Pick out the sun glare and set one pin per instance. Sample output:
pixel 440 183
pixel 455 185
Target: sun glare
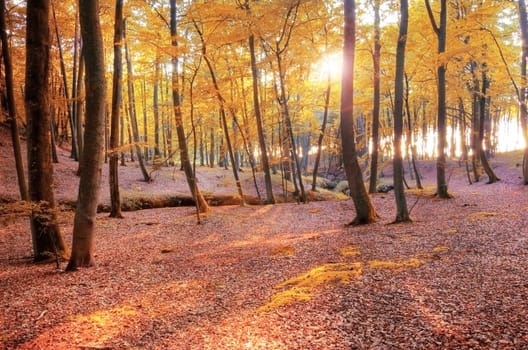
pixel 329 64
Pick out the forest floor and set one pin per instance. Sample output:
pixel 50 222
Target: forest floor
pixel 285 276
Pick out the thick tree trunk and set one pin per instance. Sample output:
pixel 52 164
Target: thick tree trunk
pixel 365 212
pixel 402 213
pixel 117 90
pixel 22 186
pixel 92 158
pixel 47 238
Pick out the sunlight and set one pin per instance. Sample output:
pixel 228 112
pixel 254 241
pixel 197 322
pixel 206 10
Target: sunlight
pixel 330 63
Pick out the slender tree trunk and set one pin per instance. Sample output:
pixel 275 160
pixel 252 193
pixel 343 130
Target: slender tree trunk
pixel 412 145
pixel 117 90
pixel 365 212
pixel 92 158
pixel 75 153
pixel 132 110
pixel 441 162
pixel 402 213
pixel 22 186
pixel 322 132
pixel 201 204
pixel 46 236
pixel 155 107
pixel 492 177
pixel 79 117
pixel 270 199
pixel 373 180
pixel 223 118
pixel 289 130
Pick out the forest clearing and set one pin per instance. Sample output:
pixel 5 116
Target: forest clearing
pixel 284 276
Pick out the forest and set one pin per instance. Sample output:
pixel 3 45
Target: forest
pixel 263 174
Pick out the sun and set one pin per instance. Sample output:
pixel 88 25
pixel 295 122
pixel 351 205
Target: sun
pixel 330 63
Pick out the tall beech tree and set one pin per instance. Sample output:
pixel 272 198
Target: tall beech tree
pixel 402 213
pixel 84 224
pixel 47 238
pixel 440 29
pixel 376 96
pixel 11 108
pixel 365 211
pixel 200 201
pixel 117 98
pixel 523 23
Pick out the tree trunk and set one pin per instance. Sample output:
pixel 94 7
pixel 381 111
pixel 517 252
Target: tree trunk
pixel 402 213
pixel 376 100
pixel 155 108
pixel 79 110
pixel 411 144
pixel 365 212
pixel 47 238
pixel 75 153
pixel 201 204
pixel 132 110
pixel 270 199
pixel 117 90
pixel 441 163
pixel 85 215
pixel 492 177
pixel 22 186
pixel 523 22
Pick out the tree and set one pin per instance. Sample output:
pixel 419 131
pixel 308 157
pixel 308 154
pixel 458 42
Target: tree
pixel 270 199
pixel 8 70
pixel 440 30
pixel 402 213
pixel 523 23
pixel 365 211
pixel 92 157
pixel 376 56
pixel 117 97
pixel 201 204
pixel 47 238
pixel 132 108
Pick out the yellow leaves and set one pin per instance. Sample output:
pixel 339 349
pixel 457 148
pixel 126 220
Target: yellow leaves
pixel 302 287
pixel 396 265
pixel 350 251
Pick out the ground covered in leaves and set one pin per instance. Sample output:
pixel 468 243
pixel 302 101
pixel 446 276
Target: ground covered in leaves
pixel 286 276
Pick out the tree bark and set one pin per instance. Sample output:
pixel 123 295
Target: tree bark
pixel 132 110
pixel 365 211
pixel 523 23
pixel 92 158
pixel 376 56
pixel 117 97
pixel 11 108
pixel 201 204
pixel 47 238
pixel 270 199
pixel 402 213
pixel 441 162
pixel 492 177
